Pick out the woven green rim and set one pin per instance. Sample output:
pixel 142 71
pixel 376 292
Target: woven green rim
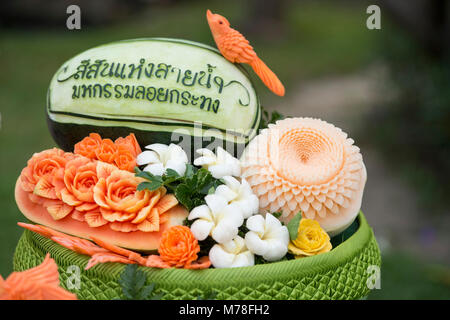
pixel 338 274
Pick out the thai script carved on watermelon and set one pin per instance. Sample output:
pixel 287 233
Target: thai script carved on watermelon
pixel 102 68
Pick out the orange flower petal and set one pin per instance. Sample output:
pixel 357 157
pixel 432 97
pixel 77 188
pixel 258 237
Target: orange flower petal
pixel 178 247
pixel 151 223
pixel 106 152
pixel 124 159
pixel 113 216
pixel 77 215
pixel 36 199
pixel 166 203
pixel 104 169
pixel 94 219
pixel 130 143
pixel 44 188
pixel 88 145
pixel 69 198
pixel 59 211
pixel 87 206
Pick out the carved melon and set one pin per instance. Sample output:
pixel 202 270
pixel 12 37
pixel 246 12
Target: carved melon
pixel 163 90
pixel 136 240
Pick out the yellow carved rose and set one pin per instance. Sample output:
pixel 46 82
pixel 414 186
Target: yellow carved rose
pixel 311 240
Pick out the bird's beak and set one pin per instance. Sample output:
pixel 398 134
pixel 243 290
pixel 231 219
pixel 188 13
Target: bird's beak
pixel 209 14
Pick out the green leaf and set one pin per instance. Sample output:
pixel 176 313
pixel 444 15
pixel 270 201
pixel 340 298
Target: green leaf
pixel 143 174
pixel 132 280
pixel 146 292
pixel 293 226
pixel 170 173
pixel 183 193
pixel 152 185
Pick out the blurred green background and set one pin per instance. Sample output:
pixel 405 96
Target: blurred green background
pixel 389 89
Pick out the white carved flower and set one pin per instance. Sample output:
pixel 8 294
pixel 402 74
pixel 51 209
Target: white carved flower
pixel 220 164
pixel 267 237
pixel 239 193
pixel 161 157
pixel 217 218
pixel 231 254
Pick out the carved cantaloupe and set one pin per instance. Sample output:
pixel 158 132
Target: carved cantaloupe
pixel 308 165
pixel 136 240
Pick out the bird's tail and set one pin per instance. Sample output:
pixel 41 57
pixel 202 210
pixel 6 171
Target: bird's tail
pixel 267 76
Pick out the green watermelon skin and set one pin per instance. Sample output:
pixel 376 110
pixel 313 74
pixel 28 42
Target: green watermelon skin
pixel 342 273
pixel 66 135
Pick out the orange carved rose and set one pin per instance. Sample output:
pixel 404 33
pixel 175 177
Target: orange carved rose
pixel 75 187
pixel 124 159
pixel 37 176
pixel 123 206
pixel 106 152
pixel 178 247
pixel 130 143
pixel 88 146
pixel 122 152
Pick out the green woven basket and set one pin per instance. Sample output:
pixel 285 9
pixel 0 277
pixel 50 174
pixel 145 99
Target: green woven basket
pixel 339 274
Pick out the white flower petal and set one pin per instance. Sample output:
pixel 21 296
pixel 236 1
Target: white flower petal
pixel 245 259
pixel 224 231
pixel 272 223
pixel 202 212
pixel 201 229
pixel 156 169
pixel 219 170
pixel 232 246
pixel 147 157
pixel 255 244
pixel 222 155
pixel 159 148
pixel 206 152
pixel 240 243
pixel 233 183
pixel 225 192
pixel 254 204
pixel 176 152
pixel 233 214
pixel 256 223
pixel 216 203
pixel 220 258
pixel 275 250
pixel 204 161
pixel 177 165
pixel 236 169
pixel 245 206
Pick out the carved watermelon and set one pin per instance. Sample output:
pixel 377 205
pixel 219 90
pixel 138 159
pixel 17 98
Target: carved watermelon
pixel 137 240
pixel 163 90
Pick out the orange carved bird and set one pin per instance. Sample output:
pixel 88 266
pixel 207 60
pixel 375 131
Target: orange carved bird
pixel 235 48
pixel 38 283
